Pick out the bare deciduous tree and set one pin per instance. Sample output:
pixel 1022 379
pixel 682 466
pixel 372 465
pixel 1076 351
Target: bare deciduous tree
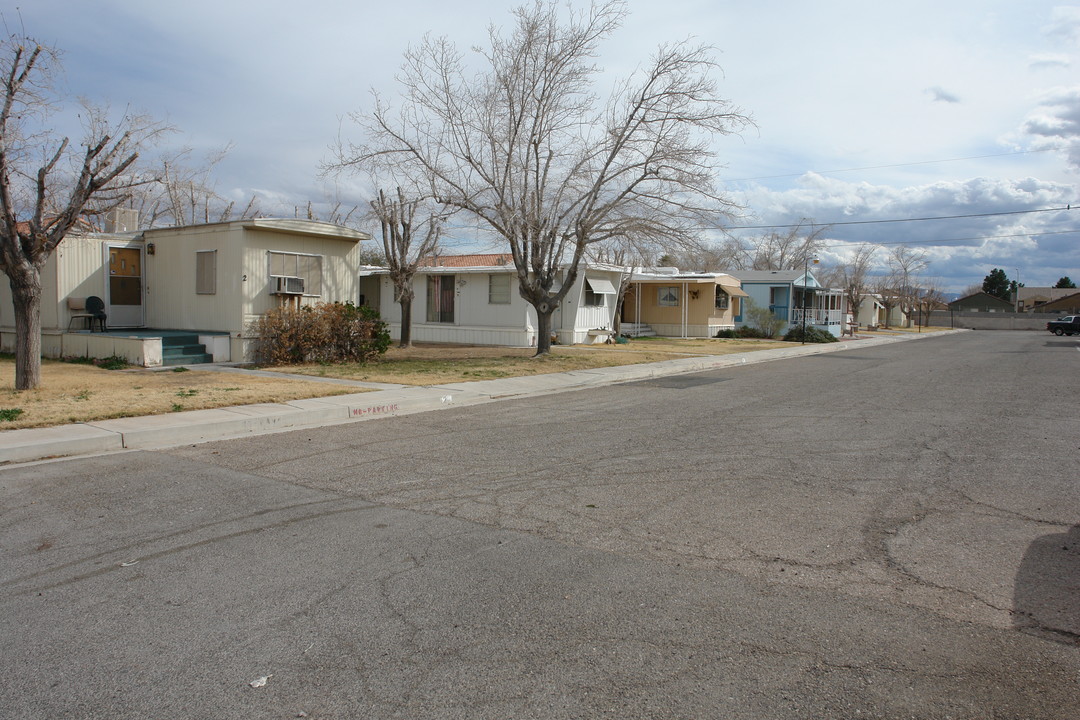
pixel 176 192
pixel 898 287
pixel 887 295
pixel 47 186
pixel 905 268
pixel 851 275
pixel 521 144
pixel 400 228
pixel 931 297
pixel 786 250
pixel 730 254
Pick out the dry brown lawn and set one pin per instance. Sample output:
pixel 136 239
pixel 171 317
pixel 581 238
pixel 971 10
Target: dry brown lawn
pixel 72 392
pixel 440 364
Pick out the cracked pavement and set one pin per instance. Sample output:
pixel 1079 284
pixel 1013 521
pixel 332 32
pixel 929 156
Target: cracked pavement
pixel 881 532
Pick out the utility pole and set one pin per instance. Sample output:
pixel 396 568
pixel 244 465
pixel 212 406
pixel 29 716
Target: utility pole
pixel 805 295
pixel 1016 298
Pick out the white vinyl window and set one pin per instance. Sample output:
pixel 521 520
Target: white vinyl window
pixel 499 289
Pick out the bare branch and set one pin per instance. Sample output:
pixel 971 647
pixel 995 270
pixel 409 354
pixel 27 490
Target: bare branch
pixel 47 186
pixel 526 148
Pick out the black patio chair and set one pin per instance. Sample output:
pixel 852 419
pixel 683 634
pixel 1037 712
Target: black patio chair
pixel 95 308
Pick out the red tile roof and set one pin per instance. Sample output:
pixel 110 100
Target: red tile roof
pixel 488 260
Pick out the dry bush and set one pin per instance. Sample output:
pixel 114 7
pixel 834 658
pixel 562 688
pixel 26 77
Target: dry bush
pixel 321 333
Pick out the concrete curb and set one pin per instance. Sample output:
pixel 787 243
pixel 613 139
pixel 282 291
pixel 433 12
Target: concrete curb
pixel 197 426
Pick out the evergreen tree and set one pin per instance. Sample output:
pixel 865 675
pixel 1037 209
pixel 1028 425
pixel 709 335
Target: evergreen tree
pixel 1065 282
pixel 997 284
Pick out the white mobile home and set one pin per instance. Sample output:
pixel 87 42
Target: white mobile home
pixel 474 300
pixel 206 280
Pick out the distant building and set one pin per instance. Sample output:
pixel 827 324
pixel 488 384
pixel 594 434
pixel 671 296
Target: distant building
pixel 981 302
pixel 1070 304
pixel 1032 298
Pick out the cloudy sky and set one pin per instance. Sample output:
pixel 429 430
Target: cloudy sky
pixel 864 111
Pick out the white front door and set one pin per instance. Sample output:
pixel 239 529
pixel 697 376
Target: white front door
pixel 124 289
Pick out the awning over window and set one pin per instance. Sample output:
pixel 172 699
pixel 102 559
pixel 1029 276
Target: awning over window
pixel 600 286
pixel 733 289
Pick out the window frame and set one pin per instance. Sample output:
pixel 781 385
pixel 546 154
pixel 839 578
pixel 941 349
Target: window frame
pixel 673 301
pixel 722 295
pixel 498 292
pixel 440 287
pixel 313 276
pixel 206 277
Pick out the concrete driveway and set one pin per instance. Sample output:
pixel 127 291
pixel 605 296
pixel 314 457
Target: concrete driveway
pixel 880 533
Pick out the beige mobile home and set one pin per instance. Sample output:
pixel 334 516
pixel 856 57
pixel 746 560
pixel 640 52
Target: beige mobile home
pixel 673 304
pixel 201 281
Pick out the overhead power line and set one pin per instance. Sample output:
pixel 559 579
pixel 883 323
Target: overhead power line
pixel 950 240
pixel 898 220
pixel 894 165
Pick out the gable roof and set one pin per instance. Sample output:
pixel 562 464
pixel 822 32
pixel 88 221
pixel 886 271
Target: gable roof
pixel 981 298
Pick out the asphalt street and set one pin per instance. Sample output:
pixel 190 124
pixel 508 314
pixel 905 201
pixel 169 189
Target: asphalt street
pixel 882 532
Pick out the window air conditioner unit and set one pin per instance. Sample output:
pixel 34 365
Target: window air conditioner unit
pixel 288 286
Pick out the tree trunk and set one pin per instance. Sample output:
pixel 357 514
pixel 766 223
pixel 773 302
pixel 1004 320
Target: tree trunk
pixel 620 299
pixel 406 322
pixel 26 296
pixel 543 330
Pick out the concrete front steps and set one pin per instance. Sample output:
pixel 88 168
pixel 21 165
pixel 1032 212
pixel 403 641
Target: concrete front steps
pixel 183 350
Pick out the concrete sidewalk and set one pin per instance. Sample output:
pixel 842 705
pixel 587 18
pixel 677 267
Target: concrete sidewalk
pixel 196 426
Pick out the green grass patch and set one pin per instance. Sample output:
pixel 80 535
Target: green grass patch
pixel 9 414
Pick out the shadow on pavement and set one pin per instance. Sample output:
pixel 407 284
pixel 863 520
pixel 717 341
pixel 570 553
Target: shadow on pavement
pixel 1046 596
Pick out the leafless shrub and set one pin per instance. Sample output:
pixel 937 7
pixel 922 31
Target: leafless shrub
pixel 321 333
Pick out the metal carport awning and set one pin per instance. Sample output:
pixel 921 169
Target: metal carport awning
pixel 733 289
pixel 601 286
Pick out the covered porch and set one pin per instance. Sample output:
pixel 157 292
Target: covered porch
pixel 821 307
